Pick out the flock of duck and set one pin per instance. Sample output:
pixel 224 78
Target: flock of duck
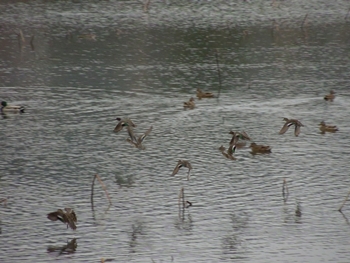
pixel 68 216
pixel 243 136
pixel 238 138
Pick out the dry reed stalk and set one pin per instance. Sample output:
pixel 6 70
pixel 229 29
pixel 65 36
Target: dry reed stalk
pixel 182 202
pixel 275 27
pixel 146 5
pixel 346 17
pixel 31 43
pixel 346 198
pixel 218 69
pixel 21 37
pixel 285 191
pixel 92 190
pixel 304 21
pixel 21 40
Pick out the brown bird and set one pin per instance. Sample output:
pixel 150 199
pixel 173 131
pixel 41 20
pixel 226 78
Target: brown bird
pixel 327 128
pixel 122 123
pixel 68 217
pixel 256 148
pixel 189 104
pixel 330 96
pixel 290 122
pixel 238 135
pixel 137 142
pixel 229 153
pixel 182 163
pixel 201 94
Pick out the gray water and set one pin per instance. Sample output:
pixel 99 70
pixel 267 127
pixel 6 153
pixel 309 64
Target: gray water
pixel 144 65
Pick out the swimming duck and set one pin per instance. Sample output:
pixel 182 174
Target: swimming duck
pixel 182 163
pixel 201 94
pixel 330 96
pixel 137 142
pixel 122 123
pixel 229 153
pixel 238 135
pixel 189 104
pixel 68 217
pixel 290 122
pixel 258 148
pixel 327 128
pixel 5 108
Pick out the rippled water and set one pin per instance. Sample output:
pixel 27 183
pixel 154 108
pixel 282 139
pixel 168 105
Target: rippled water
pixel 144 65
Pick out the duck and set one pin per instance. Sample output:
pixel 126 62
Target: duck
pixel 67 217
pixel 330 96
pixel 290 122
pixel 189 104
pixel 238 135
pixel 229 153
pixel 327 128
pixel 137 142
pixel 182 163
pixel 201 94
pixel 122 123
pixel 5 108
pixel 258 148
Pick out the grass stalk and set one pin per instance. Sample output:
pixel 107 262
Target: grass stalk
pixel 304 21
pixel 285 191
pixel 103 187
pixel 218 70
pixel 346 198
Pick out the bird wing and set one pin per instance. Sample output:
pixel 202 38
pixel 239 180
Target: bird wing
pixel 119 126
pixel 54 216
pixel 187 164
pixel 245 136
pixel 297 130
pixel 231 149
pixel 234 139
pixel 131 134
pixel 285 128
pixel 177 168
pixel 130 122
pixel 143 136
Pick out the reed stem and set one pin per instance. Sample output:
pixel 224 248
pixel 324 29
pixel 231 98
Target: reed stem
pixel 346 198
pixel 218 69
pixel 285 191
pixel 346 17
pixel 304 21
pixel 103 187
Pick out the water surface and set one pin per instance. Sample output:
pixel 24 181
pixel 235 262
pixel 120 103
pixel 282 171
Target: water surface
pixel 144 65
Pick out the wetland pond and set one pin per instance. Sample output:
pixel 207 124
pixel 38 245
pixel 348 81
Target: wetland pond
pixel 77 65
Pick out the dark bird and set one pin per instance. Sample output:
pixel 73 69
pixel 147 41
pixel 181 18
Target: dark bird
pixel 229 153
pixel 330 96
pixel 238 135
pixel 137 142
pixel 290 122
pixel 200 94
pixel 182 163
pixel 189 104
pixel 68 217
pixel 327 128
pixel 5 108
pixel 258 148
pixel 122 123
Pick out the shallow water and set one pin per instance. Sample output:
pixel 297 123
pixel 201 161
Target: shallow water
pixel 144 65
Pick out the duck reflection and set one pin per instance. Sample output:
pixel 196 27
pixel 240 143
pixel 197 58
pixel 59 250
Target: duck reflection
pixel 137 230
pixel 69 248
pixel 184 223
pixel 233 242
pixel 124 181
